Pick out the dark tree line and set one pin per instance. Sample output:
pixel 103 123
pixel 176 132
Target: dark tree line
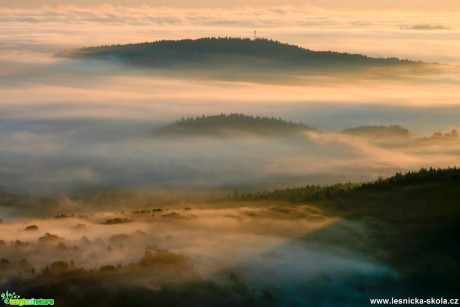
pixel 238 118
pixel 298 194
pixel 424 176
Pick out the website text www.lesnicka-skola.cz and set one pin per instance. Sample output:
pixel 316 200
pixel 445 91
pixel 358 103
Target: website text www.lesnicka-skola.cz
pixel 414 301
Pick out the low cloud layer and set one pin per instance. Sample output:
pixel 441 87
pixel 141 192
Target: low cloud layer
pixel 61 155
pixel 70 123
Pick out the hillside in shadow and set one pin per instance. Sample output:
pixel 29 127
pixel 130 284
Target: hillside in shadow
pixel 393 237
pixel 408 221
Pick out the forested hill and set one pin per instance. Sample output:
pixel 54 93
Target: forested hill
pixel 232 124
pixel 259 53
pixel 393 131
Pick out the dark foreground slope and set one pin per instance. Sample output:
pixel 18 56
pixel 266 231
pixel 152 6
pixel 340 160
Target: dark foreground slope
pixel 408 225
pixel 409 221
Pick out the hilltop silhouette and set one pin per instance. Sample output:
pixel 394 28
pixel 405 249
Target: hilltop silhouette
pixel 232 54
pixel 232 124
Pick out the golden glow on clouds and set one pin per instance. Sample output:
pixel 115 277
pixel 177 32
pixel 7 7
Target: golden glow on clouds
pixel 418 5
pixel 375 33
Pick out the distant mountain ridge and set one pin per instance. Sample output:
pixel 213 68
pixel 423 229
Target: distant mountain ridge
pixel 236 53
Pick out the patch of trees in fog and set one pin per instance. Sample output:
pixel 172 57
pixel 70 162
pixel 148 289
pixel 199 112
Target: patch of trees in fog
pixel 453 135
pixel 234 122
pixel 378 131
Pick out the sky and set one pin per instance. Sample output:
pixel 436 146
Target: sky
pixel 421 5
